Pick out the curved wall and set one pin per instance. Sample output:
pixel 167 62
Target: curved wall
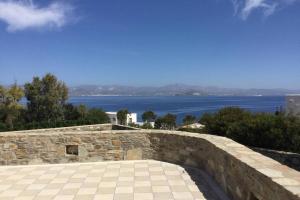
pixel 241 172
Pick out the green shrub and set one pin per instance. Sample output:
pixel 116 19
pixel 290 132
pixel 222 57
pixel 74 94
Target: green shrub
pixel 258 130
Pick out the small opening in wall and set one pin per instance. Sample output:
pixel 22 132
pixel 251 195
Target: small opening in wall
pixel 72 150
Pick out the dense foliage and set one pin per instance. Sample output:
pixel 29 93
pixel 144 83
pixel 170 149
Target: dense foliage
pixel 263 130
pixel 149 116
pixel 189 119
pixel 122 116
pixel 46 99
pixel 46 107
pixel 10 109
pixel 167 122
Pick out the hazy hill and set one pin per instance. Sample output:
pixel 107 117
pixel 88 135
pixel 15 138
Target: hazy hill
pixel 172 90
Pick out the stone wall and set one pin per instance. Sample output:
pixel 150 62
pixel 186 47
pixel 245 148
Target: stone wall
pixel 287 158
pixel 241 172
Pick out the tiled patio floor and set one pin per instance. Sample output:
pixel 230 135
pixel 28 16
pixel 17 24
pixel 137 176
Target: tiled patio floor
pixel 138 180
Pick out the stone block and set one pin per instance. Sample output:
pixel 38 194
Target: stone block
pixel 134 154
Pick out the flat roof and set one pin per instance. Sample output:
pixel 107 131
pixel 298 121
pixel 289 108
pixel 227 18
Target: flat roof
pixel 112 113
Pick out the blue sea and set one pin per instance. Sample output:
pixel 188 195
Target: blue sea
pixel 181 105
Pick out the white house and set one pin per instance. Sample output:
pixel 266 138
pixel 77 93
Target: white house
pixel 131 118
pixel 113 117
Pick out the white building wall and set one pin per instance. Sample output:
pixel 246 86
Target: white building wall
pixel 293 105
pixel 113 117
pixel 131 118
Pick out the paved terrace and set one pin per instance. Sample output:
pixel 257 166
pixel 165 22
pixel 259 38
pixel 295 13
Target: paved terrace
pixel 141 180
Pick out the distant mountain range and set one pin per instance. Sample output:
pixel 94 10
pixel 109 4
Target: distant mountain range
pixel 173 90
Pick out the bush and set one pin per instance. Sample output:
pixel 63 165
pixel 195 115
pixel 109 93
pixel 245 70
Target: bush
pixel 167 122
pixel 97 116
pixel 258 130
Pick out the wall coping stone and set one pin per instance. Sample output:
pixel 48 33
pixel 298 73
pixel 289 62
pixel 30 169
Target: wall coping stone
pixel 67 128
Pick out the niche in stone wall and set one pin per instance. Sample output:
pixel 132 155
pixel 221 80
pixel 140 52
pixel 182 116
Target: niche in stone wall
pixel 72 150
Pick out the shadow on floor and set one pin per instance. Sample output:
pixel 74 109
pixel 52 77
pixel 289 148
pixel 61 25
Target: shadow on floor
pixel 208 187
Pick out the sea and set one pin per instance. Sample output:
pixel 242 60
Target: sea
pixel 181 105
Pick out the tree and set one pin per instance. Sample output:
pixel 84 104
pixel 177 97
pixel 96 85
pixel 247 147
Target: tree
pixel 167 122
pixel 71 112
pixel 218 123
pixel 97 116
pixel 122 116
pixel 10 108
pixel 189 119
pixel 46 99
pixel 148 116
pixel 82 110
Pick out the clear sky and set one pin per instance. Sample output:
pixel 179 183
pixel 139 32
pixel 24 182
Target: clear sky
pixel 226 43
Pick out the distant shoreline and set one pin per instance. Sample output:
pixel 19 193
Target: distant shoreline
pixel 176 95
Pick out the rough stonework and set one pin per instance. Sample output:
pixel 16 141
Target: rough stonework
pixel 242 173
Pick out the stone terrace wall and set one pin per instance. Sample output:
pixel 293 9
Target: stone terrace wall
pixel 241 172
pixel 287 158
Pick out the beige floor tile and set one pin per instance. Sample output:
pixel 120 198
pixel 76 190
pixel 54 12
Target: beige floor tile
pixel 84 197
pixel 163 195
pixel 72 185
pixel 68 192
pixel 159 183
pixel 25 181
pixel 24 198
pixel 59 180
pixel 5 187
pixel 123 197
pixel 36 186
pixel 144 189
pixel 143 196
pixel 124 190
pixel 29 193
pixel 89 185
pixel 94 179
pixel 112 178
pixel 125 183
pixel 49 192
pixel 142 178
pixel 142 183
pixel 176 182
pixel 104 197
pixel 158 189
pixel 64 197
pixel 87 191
pixel 125 178
pixel 10 193
pixel 158 178
pixel 55 186
pixel 179 188
pixel 106 190
pixel 182 195
pixel 107 184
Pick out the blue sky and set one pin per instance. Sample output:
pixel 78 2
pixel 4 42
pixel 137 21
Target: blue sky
pixel 226 43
